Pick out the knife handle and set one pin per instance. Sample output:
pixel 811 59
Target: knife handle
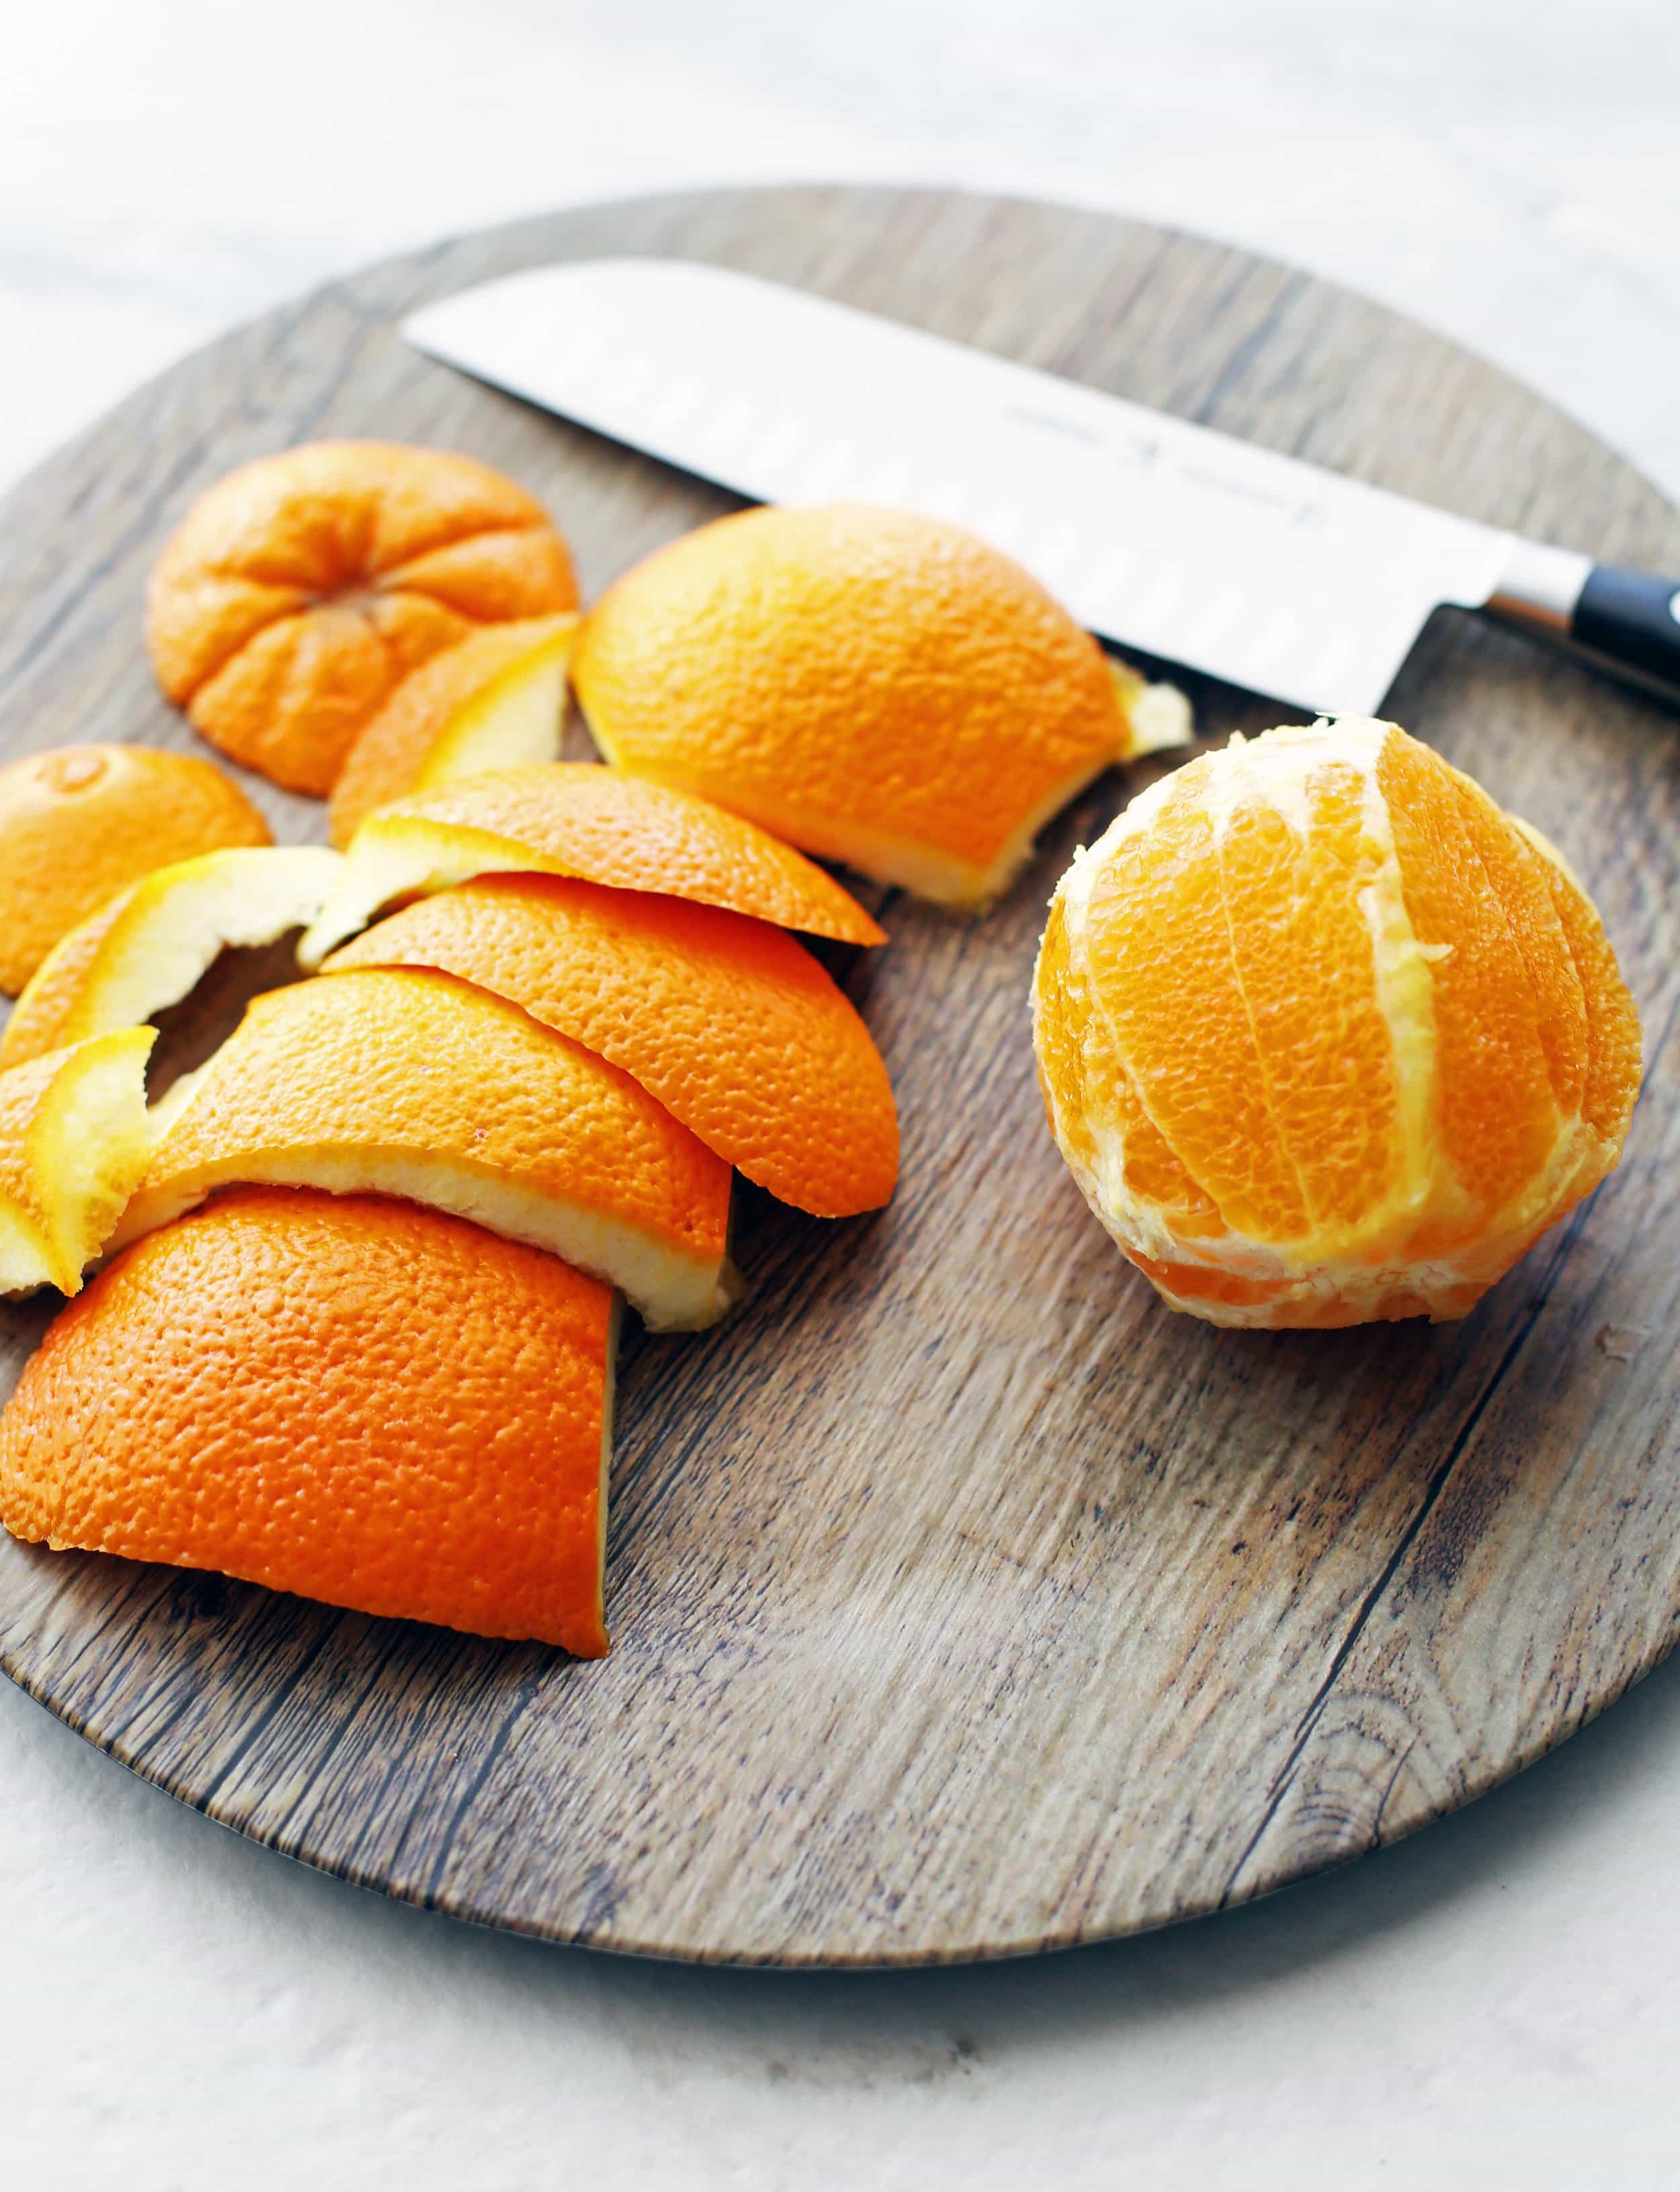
pixel 1625 622
pixel 1630 620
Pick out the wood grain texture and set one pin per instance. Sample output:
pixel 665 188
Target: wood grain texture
pixel 967 1600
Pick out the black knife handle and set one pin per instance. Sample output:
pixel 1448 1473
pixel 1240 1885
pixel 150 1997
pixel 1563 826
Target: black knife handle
pixel 1633 620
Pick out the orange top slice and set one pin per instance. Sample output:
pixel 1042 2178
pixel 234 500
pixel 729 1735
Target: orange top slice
pixel 410 1083
pixel 301 590
pixel 573 818
pixel 78 825
pixel 353 1399
pixel 878 686
pixel 729 1022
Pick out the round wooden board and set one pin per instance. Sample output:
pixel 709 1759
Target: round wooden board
pixel 967 1602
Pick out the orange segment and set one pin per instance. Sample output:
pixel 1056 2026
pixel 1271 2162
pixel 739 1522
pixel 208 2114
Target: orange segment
pixel 1324 1037
pixel 878 686
pixel 413 1084
pixel 495 701
pixel 74 1140
pixel 572 818
pixel 146 948
pixel 301 590
pixel 733 1026
pixel 352 1399
pixel 1498 1120
pixel 78 824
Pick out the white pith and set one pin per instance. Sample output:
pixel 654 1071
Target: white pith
pixel 673 1292
pixel 178 920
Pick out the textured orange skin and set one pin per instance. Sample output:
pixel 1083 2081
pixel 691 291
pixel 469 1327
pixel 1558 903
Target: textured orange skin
pixel 391 753
pixel 1291 1148
pixel 300 590
pixel 574 819
pixel 729 1022
pixel 848 666
pixel 357 1399
pixel 78 824
pixel 405 1061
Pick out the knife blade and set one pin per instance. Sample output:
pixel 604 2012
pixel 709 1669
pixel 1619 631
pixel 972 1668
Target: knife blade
pixel 1157 533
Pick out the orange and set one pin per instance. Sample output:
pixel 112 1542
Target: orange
pixel 148 946
pixel 494 701
pixel 729 1022
pixel 300 590
pixel 366 1403
pixel 573 818
pixel 880 688
pixel 74 1140
pixel 78 824
pixel 1325 1036
pixel 401 1082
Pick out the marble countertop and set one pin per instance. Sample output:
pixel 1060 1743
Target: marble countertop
pixel 1495 2003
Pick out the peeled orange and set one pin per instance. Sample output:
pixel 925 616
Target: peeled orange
pixel 74 1140
pixel 572 818
pixel 1327 1037
pixel 301 590
pixel 350 1398
pixel 729 1022
pixel 146 948
pixel 494 701
pixel 879 688
pixel 401 1082
pixel 78 824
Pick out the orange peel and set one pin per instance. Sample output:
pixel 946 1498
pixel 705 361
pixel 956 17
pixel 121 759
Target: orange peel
pixel 397 1081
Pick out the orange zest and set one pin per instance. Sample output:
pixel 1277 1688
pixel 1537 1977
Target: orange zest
pixel 355 1400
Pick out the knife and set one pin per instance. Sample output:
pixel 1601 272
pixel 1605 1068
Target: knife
pixel 1158 535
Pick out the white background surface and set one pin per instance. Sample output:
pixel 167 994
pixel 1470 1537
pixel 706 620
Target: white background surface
pixel 1496 2003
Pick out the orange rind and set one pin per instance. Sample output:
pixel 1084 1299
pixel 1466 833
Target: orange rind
pixel 300 590
pixel 879 688
pixel 409 1083
pixel 498 700
pixel 148 947
pixel 79 824
pixel 369 1404
pixel 574 819
pixel 729 1022
pixel 74 1141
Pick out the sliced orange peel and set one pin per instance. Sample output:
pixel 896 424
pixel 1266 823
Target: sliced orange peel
pixel 411 1083
pixel 498 700
pixel 152 944
pixel 575 819
pixel 74 1140
pixel 729 1022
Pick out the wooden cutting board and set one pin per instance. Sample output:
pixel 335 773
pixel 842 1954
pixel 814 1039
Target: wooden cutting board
pixel 967 1602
